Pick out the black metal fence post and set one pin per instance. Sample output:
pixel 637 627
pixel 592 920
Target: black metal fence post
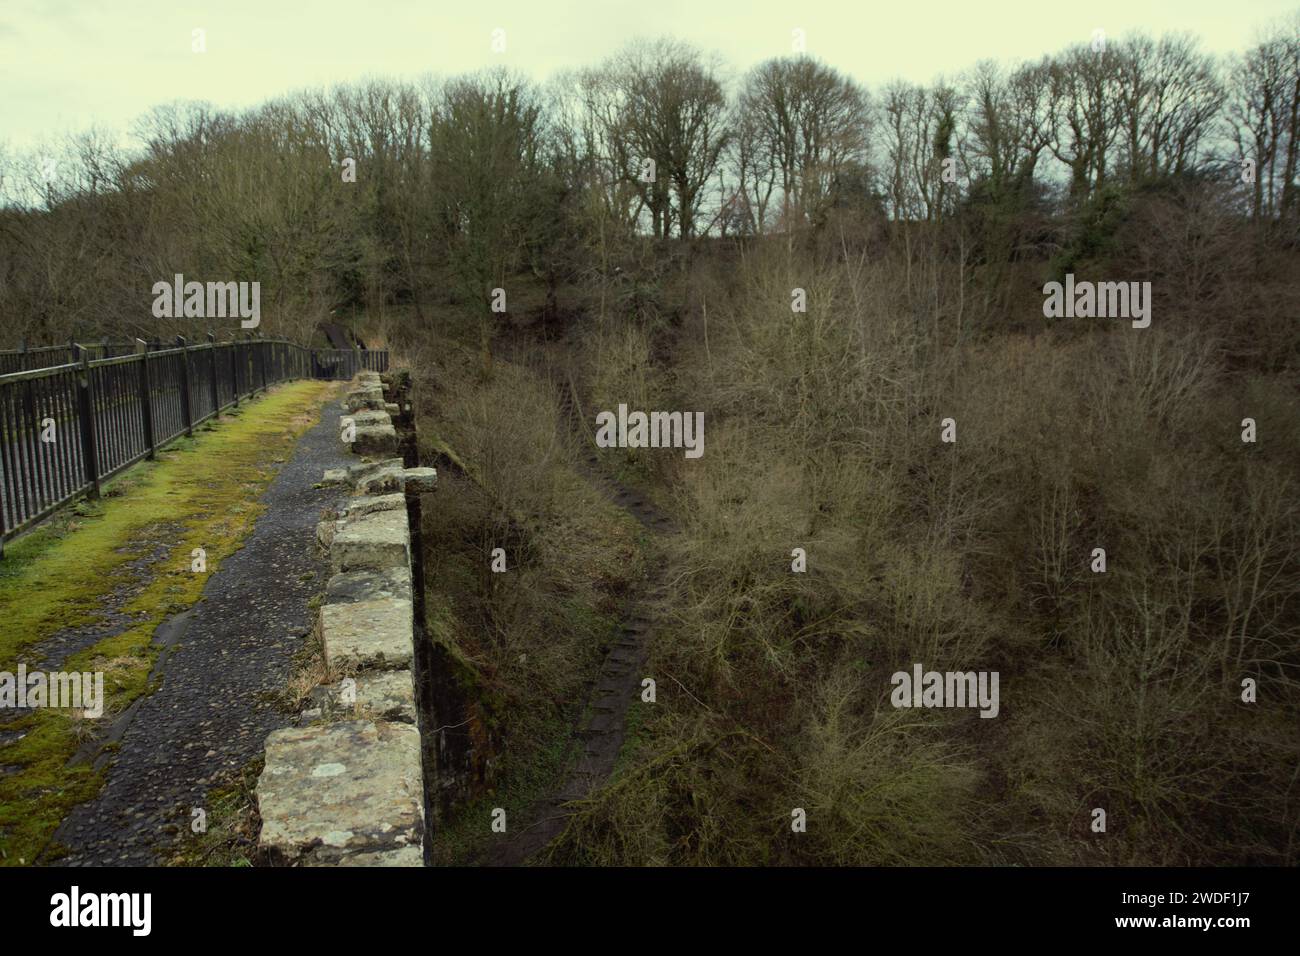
pixel 185 385
pixel 4 483
pixel 146 401
pixel 86 405
pixel 234 370
pixel 212 360
pixel 250 363
pixel 29 409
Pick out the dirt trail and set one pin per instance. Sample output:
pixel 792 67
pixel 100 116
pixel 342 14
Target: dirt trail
pixel 602 728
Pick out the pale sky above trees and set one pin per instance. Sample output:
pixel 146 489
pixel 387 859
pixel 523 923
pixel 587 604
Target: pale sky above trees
pixel 67 65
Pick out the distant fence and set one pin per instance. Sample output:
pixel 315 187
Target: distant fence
pixel 344 364
pixel 45 356
pixel 68 427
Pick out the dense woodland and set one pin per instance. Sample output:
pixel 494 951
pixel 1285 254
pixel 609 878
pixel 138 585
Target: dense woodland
pixel 465 183
pixel 922 220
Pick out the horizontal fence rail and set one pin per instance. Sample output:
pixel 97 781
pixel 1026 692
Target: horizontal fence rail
pixel 47 356
pixel 78 420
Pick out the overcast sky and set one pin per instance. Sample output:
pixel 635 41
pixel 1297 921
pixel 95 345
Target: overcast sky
pixel 66 65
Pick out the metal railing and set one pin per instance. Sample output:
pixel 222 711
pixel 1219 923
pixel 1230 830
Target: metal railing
pixel 46 356
pixel 68 427
pixel 344 364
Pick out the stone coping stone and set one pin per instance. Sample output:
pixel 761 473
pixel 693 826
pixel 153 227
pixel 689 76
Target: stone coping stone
pixel 375 541
pixel 369 416
pixel 380 477
pixel 385 481
pixel 369 504
pixel 329 790
pixel 386 695
pixel 377 634
pixel 420 481
pixel 374 440
pixel 366 397
pixel 369 586
pixel 357 472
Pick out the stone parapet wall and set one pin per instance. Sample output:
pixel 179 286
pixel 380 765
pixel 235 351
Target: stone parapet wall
pixel 346 786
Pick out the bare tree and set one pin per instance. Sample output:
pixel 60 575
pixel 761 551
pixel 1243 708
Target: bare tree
pixel 489 163
pixel 661 102
pixel 1084 113
pixel 1168 98
pixel 1263 115
pixel 920 132
pixel 807 123
pixel 1007 123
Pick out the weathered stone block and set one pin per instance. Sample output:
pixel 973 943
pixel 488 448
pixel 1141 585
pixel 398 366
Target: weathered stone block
pixel 331 790
pixel 358 472
pixel 387 695
pixel 369 417
pixel 368 504
pixel 369 586
pixel 374 440
pixel 420 481
pixel 375 541
pixel 368 633
pixel 364 397
pixel 385 481
pixel 408 856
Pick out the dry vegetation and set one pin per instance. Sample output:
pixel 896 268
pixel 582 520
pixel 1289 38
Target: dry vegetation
pixel 1120 690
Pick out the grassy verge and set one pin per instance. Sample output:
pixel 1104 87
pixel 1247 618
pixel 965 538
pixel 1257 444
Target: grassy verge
pixel 131 551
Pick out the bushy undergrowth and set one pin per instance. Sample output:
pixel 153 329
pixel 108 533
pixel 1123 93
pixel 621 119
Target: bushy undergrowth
pixel 1120 690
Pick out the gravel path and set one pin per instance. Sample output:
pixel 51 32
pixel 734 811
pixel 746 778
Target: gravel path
pixel 232 653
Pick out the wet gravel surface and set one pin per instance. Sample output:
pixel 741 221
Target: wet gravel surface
pixel 232 656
